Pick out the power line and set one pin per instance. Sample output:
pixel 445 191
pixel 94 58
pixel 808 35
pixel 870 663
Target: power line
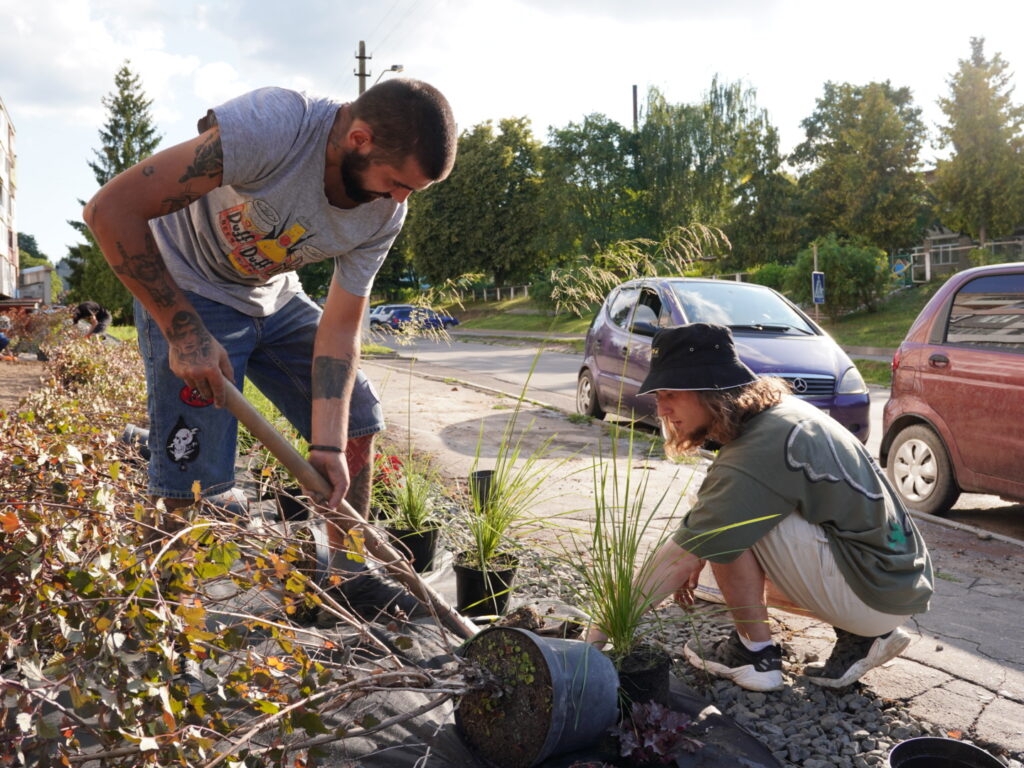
pixel 398 24
pixel 383 19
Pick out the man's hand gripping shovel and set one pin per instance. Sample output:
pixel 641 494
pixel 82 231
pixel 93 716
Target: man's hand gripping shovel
pixel 377 546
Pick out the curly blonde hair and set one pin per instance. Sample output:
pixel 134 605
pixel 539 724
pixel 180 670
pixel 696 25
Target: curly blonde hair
pixel 729 409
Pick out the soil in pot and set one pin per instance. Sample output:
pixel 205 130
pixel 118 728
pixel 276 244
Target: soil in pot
pixel 546 696
pixel 421 546
pixel 483 592
pixel 644 676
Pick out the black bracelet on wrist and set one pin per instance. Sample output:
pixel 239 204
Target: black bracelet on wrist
pixel 328 448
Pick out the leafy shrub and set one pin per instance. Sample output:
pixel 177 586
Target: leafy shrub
pixel 117 645
pixel 771 275
pixel 855 276
pixel 654 734
pixel 979 257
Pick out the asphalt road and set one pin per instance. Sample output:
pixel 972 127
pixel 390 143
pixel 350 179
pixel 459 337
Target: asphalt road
pixel 551 379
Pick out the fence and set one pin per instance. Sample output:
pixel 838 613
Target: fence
pixel 922 264
pixel 497 293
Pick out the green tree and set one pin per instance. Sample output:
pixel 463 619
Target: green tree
pixel 764 221
pixel 980 188
pixel 484 217
pixel 707 163
pixel 127 137
pixel 28 244
pixel 29 255
pixel 856 275
pixel 860 159
pixel 589 192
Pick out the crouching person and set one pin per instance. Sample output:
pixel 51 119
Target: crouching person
pixel 794 513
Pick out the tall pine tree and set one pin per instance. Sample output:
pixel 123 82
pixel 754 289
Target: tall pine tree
pixel 127 137
pixel 981 187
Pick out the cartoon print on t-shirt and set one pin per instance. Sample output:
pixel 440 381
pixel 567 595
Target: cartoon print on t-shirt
pixel 260 244
pixel 182 444
pixel 803 453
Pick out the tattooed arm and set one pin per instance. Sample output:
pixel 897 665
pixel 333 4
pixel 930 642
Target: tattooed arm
pixel 335 361
pixel 119 217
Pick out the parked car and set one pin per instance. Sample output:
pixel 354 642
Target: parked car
pixel 379 314
pixel 955 410
pixel 419 317
pixel 773 337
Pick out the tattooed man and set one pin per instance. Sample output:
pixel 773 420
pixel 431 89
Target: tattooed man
pixel 208 234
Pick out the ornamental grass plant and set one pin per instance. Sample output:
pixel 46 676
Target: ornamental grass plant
pixel 615 558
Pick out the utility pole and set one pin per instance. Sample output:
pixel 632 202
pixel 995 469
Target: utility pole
pixel 635 116
pixel 361 73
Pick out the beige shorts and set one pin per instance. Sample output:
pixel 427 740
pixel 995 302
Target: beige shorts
pixel 796 557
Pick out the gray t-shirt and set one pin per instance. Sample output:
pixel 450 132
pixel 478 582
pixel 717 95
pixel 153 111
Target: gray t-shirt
pixel 792 457
pixel 241 243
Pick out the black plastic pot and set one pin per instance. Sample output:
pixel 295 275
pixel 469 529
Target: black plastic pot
pixel 935 752
pixel 480 486
pixel 290 505
pixel 556 696
pixel 421 546
pixel 644 676
pixel 483 592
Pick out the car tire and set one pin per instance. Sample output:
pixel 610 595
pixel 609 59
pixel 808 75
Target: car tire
pixel 919 470
pixel 586 395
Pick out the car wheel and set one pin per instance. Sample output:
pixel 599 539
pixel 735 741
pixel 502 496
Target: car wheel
pixel 586 396
pixel 920 471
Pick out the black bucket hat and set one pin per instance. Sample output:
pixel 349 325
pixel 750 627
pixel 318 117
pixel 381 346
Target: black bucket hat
pixel 695 356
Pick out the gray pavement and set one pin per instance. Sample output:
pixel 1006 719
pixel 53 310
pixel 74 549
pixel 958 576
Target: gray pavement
pixel 965 668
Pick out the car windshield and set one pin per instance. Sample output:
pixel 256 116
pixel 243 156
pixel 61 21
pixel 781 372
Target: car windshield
pixel 739 306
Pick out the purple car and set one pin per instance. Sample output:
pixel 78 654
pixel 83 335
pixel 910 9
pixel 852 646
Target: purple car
pixel 772 336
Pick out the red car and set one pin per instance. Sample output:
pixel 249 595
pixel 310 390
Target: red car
pixel 955 417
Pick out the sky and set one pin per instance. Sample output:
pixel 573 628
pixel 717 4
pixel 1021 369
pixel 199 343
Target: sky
pixel 554 61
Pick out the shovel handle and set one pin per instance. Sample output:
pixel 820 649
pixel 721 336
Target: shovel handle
pixel 376 544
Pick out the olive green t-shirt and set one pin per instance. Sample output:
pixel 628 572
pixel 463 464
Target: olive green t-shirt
pixel 794 457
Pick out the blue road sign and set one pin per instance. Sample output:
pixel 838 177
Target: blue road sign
pixel 818 287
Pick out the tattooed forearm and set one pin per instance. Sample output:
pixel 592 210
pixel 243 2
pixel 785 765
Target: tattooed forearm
pixel 148 270
pixel 177 202
pixel 189 338
pixel 330 375
pixel 209 160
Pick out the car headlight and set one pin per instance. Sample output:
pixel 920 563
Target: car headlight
pixel 852 383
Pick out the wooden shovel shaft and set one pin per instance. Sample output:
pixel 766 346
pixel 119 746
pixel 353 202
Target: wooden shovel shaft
pixel 376 544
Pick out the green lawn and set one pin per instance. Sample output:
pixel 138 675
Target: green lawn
pixel 884 328
pixel 887 326
pixel 874 371
pixel 498 316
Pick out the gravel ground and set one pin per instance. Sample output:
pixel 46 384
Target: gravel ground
pixel 803 724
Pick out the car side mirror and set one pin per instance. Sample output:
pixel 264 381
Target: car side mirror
pixel 640 328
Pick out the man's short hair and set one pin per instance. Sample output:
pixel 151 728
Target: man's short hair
pixel 410 118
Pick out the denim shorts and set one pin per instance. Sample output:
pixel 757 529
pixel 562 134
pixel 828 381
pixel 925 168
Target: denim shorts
pixel 190 439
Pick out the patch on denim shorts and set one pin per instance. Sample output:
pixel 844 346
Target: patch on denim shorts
pixel 190 396
pixel 183 445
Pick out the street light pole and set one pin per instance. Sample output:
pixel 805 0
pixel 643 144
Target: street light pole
pixel 392 68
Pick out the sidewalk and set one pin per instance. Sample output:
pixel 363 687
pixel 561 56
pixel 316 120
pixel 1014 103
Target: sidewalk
pixel 964 670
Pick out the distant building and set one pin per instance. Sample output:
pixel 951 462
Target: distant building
pixel 35 283
pixel 8 187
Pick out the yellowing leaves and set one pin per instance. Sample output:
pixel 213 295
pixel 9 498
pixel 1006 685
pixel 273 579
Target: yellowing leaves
pixel 355 543
pixel 193 613
pixel 10 522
